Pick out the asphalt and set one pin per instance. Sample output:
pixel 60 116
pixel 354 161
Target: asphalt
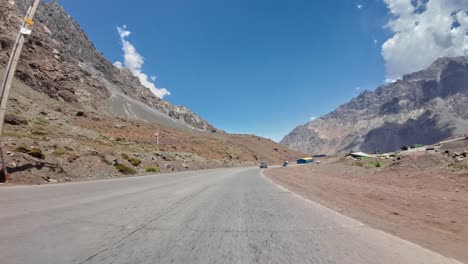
pixel 215 216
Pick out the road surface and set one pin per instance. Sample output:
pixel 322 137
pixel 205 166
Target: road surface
pixel 214 216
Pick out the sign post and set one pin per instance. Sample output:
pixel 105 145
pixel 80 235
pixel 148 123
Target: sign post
pixel 157 140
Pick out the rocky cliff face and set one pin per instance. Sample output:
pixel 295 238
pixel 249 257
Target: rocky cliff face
pixel 424 107
pixel 59 60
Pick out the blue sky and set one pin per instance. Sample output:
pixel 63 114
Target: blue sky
pixel 258 67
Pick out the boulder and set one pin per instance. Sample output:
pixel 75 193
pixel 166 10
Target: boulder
pixel 68 96
pixel 11 165
pixel 80 113
pixel 15 120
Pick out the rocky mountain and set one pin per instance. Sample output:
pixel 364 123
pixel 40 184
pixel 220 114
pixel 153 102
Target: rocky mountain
pixel 73 116
pixel 421 108
pixel 59 60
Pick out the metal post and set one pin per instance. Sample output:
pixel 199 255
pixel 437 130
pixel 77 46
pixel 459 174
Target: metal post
pixel 10 70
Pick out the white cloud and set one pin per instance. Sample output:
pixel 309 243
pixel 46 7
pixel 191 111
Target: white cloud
pixel 134 62
pixel 153 78
pixel 313 118
pixel 359 6
pixel 118 64
pixel 424 31
pixel 123 32
pixel 376 42
pixel 358 88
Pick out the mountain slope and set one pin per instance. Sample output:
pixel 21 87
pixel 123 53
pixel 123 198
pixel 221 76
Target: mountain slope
pixel 63 63
pixel 73 116
pixel 424 107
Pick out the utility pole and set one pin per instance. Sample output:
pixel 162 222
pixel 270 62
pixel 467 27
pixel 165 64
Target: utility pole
pixel 157 139
pixel 9 74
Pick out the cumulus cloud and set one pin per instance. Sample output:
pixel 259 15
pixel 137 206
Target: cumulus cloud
pixel 424 30
pixel 359 6
pixel 312 118
pixel 133 61
pixel 358 88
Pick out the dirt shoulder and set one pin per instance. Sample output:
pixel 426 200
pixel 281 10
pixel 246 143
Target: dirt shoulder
pixel 422 198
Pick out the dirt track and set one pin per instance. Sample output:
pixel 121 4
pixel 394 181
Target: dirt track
pixel 416 198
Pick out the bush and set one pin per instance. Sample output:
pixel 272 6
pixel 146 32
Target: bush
pixel 378 165
pixel 38 132
pixel 60 152
pixel 152 169
pixel 68 148
pixel 36 152
pixel 134 161
pixel 458 166
pixel 124 169
pixel 22 149
pixel 33 151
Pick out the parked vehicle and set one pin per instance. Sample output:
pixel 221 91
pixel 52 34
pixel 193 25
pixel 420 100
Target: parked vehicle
pixel 285 163
pixel 263 165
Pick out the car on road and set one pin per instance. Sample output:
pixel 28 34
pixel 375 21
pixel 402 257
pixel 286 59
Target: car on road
pixel 285 163
pixel 263 165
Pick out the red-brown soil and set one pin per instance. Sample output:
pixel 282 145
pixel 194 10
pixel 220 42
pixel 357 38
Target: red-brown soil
pixel 421 197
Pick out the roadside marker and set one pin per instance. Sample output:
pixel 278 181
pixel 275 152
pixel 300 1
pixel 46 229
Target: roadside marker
pixel 29 21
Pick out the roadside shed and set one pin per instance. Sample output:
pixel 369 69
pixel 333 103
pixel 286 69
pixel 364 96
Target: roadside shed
pixel 305 160
pixel 320 156
pixel 362 155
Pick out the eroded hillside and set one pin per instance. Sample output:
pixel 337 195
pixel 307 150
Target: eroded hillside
pixel 73 116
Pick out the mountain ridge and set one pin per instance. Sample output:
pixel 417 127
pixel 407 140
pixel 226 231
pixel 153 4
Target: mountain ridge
pixel 423 107
pixel 64 63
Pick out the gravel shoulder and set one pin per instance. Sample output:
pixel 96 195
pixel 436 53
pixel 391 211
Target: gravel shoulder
pixel 422 198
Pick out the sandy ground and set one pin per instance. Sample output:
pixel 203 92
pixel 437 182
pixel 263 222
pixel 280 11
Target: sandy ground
pixel 422 197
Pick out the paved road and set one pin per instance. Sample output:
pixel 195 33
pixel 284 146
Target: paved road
pixel 214 216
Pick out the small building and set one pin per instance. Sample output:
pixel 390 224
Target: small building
pixel 320 156
pixel 362 155
pixel 305 160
